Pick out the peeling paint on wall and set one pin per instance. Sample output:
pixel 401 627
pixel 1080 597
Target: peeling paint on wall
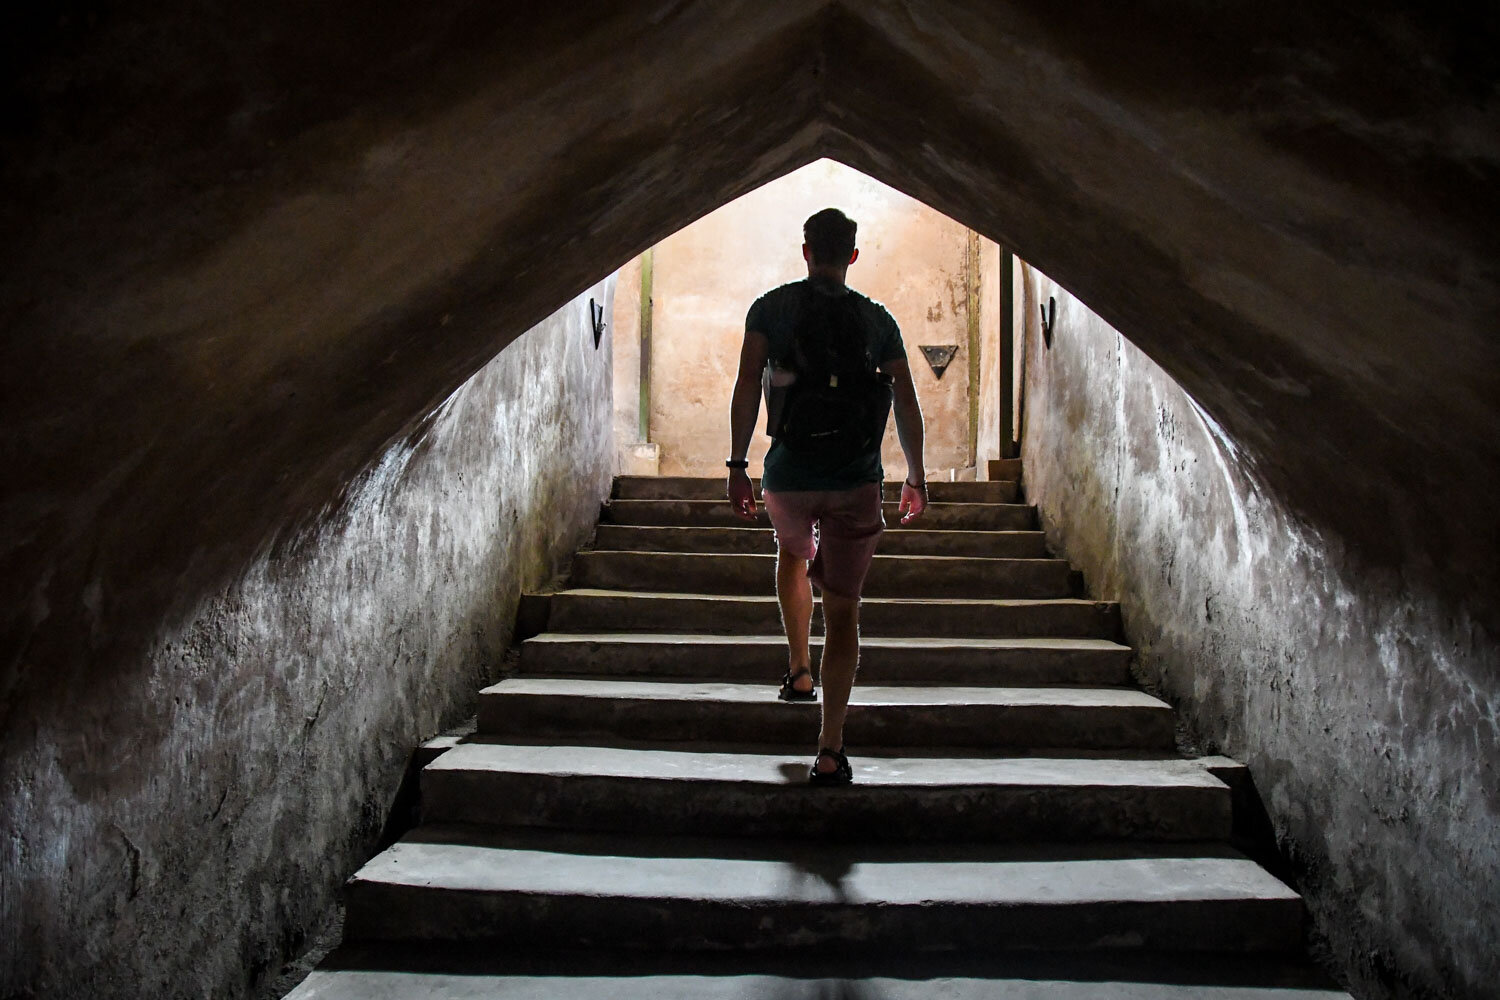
pixel 252 768
pixel 1364 707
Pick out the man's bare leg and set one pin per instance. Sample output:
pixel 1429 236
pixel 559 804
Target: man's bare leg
pixel 840 659
pixel 794 593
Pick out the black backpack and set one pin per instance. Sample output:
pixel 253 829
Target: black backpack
pixel 838 406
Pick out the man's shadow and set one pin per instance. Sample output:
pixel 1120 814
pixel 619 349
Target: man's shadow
pixel 829 989
pixel 831 867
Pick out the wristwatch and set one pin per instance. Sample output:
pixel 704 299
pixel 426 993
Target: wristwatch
pixel 736 463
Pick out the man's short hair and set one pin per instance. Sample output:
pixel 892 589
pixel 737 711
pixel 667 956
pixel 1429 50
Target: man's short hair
pixel 829 234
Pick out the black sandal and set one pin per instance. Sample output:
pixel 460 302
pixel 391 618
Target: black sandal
pixel 841 775
pixel 790 693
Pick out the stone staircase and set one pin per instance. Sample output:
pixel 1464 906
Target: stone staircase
pixel 631 818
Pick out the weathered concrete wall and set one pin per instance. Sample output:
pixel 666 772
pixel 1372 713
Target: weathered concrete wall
pixel 707 274
pixel 1365 707
pixel 174 827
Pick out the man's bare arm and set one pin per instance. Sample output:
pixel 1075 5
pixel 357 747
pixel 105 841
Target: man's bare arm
pixel 744 408
pixel 908 418
pixel 910 433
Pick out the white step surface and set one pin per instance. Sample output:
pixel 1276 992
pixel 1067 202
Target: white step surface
pixel 529 708
pixel 654 892
pixel 770 769
pixel 587 609
pixel 1025 661
pixel 772 873
pixel 870 695
pixel 901 799
pixel 362 984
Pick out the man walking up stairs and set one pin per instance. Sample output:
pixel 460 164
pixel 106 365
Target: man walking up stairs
pixel 632 819
pixel 833 367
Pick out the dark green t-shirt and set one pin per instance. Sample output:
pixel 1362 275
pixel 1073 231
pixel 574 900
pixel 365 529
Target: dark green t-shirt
pixel 774 314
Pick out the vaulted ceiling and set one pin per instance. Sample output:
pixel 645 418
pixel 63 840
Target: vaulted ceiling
pixel 249 247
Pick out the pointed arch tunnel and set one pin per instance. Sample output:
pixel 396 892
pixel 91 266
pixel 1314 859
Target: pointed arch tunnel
pixel 252 250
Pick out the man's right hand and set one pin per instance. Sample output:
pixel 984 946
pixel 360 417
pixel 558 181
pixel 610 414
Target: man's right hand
pixel 913 501
pixel 741 494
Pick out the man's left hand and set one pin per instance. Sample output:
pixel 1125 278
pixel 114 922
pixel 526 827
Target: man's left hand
pixel 741 494
pixel 913 501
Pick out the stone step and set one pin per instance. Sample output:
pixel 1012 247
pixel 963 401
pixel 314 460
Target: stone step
pixel 586 709
pixel 588 610
pixel 716 513
pixel 883 660
pixel 1005 469
pixel 697 488
pixel 902 542
pixel 550 889
pixel 386 971
pixel 890 576
pixel 699 792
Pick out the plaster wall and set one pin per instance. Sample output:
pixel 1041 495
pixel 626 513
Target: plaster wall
pixel 179 834
pixel 625 338
pixel 912 260
pixel 991 300
pixel 1365 707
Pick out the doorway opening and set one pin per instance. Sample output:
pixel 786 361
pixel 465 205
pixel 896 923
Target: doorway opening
pixel 680 307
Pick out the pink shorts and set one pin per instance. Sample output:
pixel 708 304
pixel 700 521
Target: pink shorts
pixel 837 529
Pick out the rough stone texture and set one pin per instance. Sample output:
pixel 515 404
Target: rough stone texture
pixel 535 889
pixel 969 661
pixel 365 984
pixel 678 488
pixel 890 576
pixel 548 708
pixel 1012 544
pixel 215 793
pixel 757 793
pixel 1364 706
pixel 716 513
pixel 602 610
pixel 248 246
